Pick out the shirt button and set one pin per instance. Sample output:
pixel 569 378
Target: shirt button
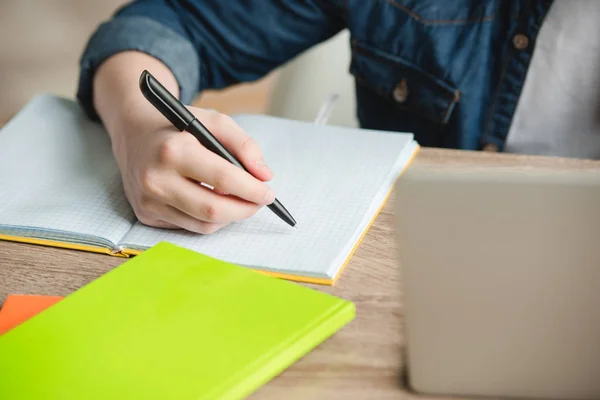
pixel 401 91
pixel 520 41
pixel 491 147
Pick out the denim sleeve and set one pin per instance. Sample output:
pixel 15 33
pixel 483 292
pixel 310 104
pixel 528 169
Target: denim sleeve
pixel 210 44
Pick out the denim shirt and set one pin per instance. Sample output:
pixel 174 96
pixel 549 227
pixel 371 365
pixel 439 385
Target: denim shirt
pixel 451 72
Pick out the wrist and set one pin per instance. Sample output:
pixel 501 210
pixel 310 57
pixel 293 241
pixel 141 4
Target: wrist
pixel 121 106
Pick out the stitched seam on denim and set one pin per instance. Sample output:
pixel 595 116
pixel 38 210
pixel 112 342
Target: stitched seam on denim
pixel 505 68
pixel 419 18
pixel 360 49
pixel 496 93
pixel 456 94
pixel 453 97
pixel 415 109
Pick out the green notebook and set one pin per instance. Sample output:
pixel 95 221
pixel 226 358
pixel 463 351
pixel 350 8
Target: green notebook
pixel 167 324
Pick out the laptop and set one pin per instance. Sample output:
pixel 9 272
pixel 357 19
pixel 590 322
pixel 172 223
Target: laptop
pixel 500 281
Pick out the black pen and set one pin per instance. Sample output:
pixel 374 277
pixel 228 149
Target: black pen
pixel 184 120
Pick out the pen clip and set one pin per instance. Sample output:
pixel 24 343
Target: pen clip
pixel 165 102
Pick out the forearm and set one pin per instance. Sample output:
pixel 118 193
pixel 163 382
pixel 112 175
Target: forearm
pixel 118 99
pixel 199 43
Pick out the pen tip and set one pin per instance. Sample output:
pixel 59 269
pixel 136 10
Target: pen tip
pixel 284 214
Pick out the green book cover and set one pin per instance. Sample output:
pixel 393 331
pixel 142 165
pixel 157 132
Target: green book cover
pixel 167 324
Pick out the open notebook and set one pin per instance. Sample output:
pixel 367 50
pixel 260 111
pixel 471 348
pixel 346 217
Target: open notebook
pixel 60 186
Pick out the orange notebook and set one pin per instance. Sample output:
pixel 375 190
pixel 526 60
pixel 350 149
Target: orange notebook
pixel 19 308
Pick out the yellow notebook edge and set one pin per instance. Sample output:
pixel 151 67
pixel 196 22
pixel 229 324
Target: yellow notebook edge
pixel 291 277
pixel 282 275
pixel 327 281
pixel 64 245
pixel 125 253
pixel 383 203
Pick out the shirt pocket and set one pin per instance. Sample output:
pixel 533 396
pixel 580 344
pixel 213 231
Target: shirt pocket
pixel 403 84
pixel 436 12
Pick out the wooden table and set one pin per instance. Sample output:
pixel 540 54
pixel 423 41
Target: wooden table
pixel 362 361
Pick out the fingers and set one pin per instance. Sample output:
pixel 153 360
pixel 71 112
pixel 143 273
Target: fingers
pixel 205 205
pixel 172 218
pixel 197 214
pixel 177 218
pixel 202 165
pixel 233 137
pixel 165 173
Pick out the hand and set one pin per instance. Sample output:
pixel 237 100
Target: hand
pixel 162 171
pixel 162 168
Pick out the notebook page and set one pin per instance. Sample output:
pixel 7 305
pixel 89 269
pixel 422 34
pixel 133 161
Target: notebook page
pixel 331 179
pixel 58 178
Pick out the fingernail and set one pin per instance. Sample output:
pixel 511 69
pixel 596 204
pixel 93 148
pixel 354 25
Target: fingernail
pixel 270 197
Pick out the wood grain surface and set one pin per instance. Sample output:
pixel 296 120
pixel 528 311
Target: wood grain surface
pixel 362 361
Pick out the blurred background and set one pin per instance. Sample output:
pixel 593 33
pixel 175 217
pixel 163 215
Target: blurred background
pixel 41 42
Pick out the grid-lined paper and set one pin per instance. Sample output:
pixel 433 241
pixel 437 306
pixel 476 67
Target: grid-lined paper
pixel 331 179
pixel 58 178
